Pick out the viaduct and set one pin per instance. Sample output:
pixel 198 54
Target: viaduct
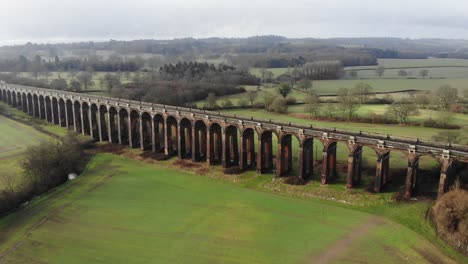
pixel 229 140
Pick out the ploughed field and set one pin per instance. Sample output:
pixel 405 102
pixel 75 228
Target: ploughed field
pixel 125 211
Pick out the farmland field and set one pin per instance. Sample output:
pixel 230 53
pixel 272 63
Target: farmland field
pixel 122 211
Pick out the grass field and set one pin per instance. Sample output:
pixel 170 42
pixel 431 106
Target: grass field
pixel 122 211
pixel 15 138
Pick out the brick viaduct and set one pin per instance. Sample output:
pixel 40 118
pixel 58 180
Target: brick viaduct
pixel 226 139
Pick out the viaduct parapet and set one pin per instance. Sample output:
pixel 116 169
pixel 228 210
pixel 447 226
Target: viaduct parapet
pixel 229 140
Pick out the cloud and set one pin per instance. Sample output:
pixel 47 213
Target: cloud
pixel 65 20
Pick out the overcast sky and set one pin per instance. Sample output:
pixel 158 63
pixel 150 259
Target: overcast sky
pixel 77 20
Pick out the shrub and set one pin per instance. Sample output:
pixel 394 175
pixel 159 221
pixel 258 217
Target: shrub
pixel 379 101
pixel 243 103
pixel 436 124
pixel 290 100
pixel 227 103
pixel 49 163
pixel 278 105
pixel 450 216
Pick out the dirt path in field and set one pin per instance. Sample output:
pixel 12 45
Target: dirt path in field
pixel 336 250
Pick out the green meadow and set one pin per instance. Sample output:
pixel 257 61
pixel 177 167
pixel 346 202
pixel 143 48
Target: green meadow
pixel 124 211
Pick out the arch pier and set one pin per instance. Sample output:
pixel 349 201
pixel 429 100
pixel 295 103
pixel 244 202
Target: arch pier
pixel 228 140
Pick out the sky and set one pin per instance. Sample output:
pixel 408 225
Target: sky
pixel 55 21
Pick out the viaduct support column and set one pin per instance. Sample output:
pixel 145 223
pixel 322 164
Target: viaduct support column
pixel 284 157
pixel 98 114
pixel 354 167
pixel 280 157
pixel 130 138
pixel 180 134
pixel 46 116
pixel 328 162
pixel 260 153
pixel 119 127
pixel 90 120
pixel 153 135
pixel 52 114
pixel 109 124
pixel 306 159
pixel 383 162
pixel 66 115
pixel 28 105
pixel 444 176
pixel 411 176
pixel 39 107
pixel 82 121
pixel 208 145
pixel 224 148
pixel 59 111
pixel 74 117
pixel 242 152
pixel 142 143
pixel 195 144
pixel 166 138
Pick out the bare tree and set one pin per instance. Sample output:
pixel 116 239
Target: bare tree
pixel 401 110
pixel 424 73
pixel 312 104
pixel 362 91
pixel 305 84
pixel 211 100
pixel 402 73
pixel 445 96
pixel 252 96
pixel 348 103
pixel 380 71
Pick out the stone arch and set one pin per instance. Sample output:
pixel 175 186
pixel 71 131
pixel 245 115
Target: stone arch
pixel 124 126
pixel 30 101
pixel 9 99
pixel 78 122
pixel 215 143
pixel 48 109
pixel 114 127
pixel 70 120
pixel 85 116
pixel 248 156
pixel 35 100
pixel 171 135
pixel 93 121
pixel 185 138
pixel 54 111
pixel 284 160
pixel 199 141
pixel 14 102
pixel 103 122
pixel 24 103
pixel 328 161
pixel 265 162
pixel 231 147
pixel 146 132
pixel 134 129
pixel 62 112
pixel 306 158
pixel 159 133
pixel 42 107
